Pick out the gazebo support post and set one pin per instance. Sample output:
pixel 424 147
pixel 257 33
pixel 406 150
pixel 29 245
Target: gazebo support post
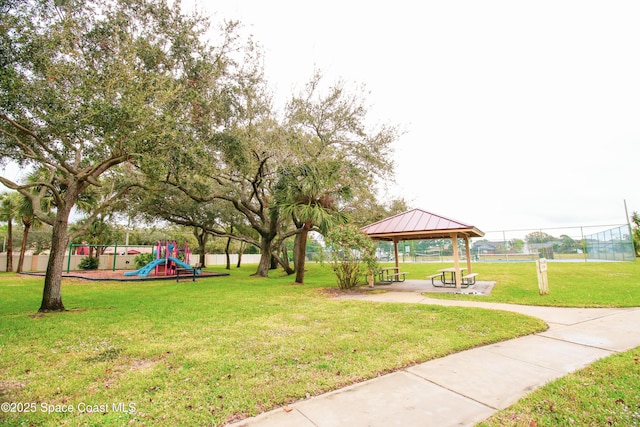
pixel 395 250
pixel 456 260
pixel 466 242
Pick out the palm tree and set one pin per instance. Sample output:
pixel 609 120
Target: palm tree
pixel 27 216
pixel 310 194
pixel 9 209
pixel 25 211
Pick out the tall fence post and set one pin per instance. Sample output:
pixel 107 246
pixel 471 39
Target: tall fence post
pixel 69 258
pixel 115 255
pixel 584 245
pixel 506 250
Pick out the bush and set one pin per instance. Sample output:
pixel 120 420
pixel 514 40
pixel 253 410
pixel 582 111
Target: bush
pixel 353 255
pixel 89 263
pixel 143 259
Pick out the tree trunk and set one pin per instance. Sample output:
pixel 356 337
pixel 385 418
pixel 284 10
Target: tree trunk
pixel 52 294
pixel 240 252
pixel 226 252
pixel 23 247
pixel 265 257
pixel 9 245
pixel 296 249
pixel 203 256
pixel 284 259
pixel 266 246
pixel 301 252
pixel 202 243
pixel 284 262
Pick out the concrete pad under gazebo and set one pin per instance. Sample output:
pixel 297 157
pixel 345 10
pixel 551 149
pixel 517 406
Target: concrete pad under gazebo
pixel 418 224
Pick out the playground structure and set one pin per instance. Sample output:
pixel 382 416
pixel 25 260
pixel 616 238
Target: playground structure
pixel 166 262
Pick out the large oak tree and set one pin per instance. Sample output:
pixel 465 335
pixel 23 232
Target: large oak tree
pixel 86 87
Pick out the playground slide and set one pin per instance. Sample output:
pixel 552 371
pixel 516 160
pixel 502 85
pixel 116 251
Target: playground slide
pixel 182 264
pixel 144 271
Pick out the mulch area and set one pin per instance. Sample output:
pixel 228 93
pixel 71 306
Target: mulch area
pixel 118 275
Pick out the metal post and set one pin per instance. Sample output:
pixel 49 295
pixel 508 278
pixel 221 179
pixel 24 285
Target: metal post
pixel 506 251
pixel 69 258
pixel 115 255
pixel 633 246
pixel 584 244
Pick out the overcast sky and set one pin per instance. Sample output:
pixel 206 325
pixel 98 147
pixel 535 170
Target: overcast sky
pixel 517 114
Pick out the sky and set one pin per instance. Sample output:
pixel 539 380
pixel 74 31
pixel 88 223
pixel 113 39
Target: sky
pixel 515 114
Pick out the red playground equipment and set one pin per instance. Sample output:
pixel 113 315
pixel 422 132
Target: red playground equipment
pixel 166 262
pixel 169 252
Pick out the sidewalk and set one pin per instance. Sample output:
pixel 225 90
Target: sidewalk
pixel 467 387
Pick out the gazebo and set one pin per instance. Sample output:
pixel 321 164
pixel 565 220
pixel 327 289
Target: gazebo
pixel 418 224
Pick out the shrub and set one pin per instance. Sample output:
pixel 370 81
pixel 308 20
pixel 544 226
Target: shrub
pixel 352 253
pixel 143 259
pixel 89 263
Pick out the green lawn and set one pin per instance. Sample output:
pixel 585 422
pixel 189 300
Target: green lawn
pixel 571 284
pixel 220 349
pixel 212 351
pixel 606 393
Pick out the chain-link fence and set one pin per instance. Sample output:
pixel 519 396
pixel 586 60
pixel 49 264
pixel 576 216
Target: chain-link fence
pixel 615 244
pixel 581 243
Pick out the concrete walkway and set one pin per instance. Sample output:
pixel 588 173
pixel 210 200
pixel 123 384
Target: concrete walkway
pixel 467 387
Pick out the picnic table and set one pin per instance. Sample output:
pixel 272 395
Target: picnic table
pixel 447 277
pixel 391 274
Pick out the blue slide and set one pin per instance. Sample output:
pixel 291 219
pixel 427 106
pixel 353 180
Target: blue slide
pixel 144 271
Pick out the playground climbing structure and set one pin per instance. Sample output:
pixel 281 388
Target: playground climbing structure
pixel 166 262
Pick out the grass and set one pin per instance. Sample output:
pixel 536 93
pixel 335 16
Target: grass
pixel 606 393
pixel 220 349
pixel 211 351
pixel 571 284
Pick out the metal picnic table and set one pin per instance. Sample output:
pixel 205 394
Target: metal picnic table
pixel 391 274
pixel 447 277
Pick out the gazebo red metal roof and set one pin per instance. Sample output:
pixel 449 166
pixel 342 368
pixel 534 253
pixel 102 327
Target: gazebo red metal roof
pixel 418 224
